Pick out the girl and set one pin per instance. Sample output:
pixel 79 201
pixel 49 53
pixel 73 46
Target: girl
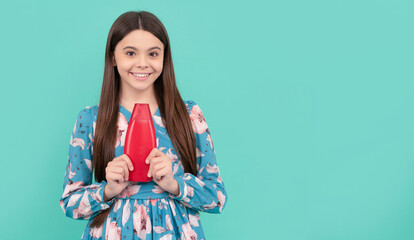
pixel 186 178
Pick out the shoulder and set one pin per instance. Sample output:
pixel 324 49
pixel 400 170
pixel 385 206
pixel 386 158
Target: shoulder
pixel 197 118
pixel 192 107
pixel 189 105
pixel 88 112
pixel 87 115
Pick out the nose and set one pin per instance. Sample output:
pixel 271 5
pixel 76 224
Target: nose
pixel 141 61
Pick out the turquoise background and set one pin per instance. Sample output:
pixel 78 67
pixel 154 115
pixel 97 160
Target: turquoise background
pixel 309 104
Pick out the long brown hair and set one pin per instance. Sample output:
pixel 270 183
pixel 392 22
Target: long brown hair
pixel 170 103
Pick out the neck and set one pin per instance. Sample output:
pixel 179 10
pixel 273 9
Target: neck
pixel 128 98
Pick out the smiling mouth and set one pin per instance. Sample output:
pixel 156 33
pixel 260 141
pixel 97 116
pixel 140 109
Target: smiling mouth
pixel 140 76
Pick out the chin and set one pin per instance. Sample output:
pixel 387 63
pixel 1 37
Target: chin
pixel 142 88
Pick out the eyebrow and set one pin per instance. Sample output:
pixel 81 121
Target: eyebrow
pixel 149 49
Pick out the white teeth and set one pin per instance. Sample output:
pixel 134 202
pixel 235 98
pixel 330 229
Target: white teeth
pixel 141 75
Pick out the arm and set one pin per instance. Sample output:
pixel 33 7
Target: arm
pixel 204 192
pixel 80 198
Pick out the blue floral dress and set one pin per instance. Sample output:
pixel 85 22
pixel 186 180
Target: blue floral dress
pixel 143 210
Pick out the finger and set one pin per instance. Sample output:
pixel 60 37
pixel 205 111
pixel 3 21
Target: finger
pixel 159 162
pixel 121 165
pixel 158 166
pixel 116 169
pixel 126 171
pixel 115 177
pixel 151 169
pixel 149 174
pixel 129 162
pixel 154 153
pixel 161 172
pixel 156 160
pixel 126 159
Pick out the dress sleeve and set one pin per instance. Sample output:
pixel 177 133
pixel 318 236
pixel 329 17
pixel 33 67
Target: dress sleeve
pixel 80 198
pixel 204 192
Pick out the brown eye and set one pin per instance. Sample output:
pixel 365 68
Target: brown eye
pixel 154 54
pixel 130 52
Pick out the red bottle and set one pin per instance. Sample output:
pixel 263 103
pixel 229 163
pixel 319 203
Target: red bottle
pixel 139 141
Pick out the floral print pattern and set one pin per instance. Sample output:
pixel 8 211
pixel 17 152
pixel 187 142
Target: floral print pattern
pixel 143 210
pixel 198 120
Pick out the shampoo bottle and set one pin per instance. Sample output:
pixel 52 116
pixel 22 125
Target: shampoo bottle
pixel 139 141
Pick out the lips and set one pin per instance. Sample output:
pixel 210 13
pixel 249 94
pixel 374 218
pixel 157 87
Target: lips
pixel 140 76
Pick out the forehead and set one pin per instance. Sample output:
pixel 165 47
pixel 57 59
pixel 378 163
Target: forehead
pixel 141 40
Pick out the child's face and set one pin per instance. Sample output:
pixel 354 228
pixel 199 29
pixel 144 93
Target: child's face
pixel 139 52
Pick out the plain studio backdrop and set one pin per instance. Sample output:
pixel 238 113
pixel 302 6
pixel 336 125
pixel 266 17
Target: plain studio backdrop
pixel 309 103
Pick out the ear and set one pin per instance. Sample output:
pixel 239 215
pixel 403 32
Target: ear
pixel 113 61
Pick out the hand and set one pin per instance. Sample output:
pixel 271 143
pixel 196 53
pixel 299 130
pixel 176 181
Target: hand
pixel 161 171
pixel 117 175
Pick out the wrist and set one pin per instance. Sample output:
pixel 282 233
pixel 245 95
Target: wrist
pixel 175 188
pixel 107 195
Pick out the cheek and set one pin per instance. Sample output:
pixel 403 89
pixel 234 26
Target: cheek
pixel 159 67
pixel 125 65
